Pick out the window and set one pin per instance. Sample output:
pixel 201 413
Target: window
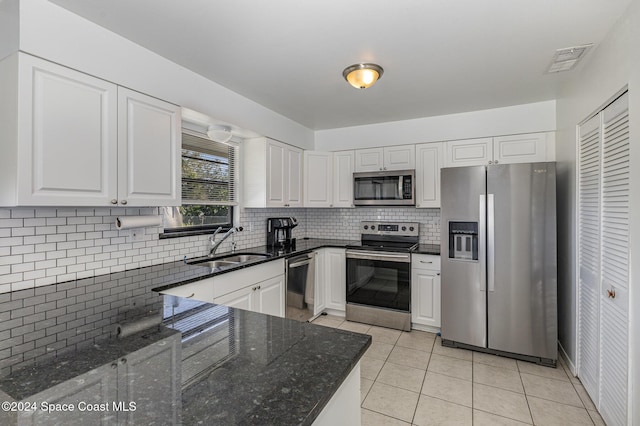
pixel 209 177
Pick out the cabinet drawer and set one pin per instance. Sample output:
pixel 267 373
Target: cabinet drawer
pixel 200 290
pixel 425 261
pixel 232 281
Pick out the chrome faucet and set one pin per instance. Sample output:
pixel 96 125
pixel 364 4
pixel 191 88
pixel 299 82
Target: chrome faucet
pixel 224 237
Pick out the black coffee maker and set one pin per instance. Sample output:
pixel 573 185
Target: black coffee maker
pixel 279 232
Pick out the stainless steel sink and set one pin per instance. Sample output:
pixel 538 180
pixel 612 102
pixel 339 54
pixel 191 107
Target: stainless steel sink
pixel 213 264
pixel 243 258
pixel 228 260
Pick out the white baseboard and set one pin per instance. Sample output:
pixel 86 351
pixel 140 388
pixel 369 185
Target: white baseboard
pixel 426 328
pixel 567 360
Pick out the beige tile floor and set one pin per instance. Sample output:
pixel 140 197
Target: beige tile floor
pixel 411 379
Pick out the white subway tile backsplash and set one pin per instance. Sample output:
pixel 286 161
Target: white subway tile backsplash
pixel 46 245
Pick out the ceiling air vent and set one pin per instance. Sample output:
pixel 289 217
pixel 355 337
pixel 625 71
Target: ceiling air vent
pixel 567 58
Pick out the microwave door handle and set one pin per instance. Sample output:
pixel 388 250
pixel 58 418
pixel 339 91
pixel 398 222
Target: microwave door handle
pixel 399 196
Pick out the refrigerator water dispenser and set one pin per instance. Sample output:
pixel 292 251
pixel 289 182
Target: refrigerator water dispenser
pixel 463 240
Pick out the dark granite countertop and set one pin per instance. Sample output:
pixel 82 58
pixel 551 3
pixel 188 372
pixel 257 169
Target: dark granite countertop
pixel 268 370
pixel 302 246
pixel 260 369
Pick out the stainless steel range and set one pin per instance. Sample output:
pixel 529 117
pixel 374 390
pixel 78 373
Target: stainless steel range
pixel 379 274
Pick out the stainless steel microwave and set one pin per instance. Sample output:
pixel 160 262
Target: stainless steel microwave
pixel 386 188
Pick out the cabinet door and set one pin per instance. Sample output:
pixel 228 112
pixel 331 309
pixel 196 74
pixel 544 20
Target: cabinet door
pixel 343 166
pixel 294 178
pixel 369 160
pixel 336 278
pixel 401 157
pixel 200 290
pixel 529 148
pixel 469 152
pixel 276 191
pixel 320 290
pixel 425 297
pixel 430 159
pixel 149 144
pixel 98 386
pixel 140 383
pixel 269 298
pixel 67 153
pixel 240 299
pixel 318 182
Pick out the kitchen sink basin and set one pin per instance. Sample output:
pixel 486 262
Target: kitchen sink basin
pixel 213 264
pixel 228 260
pixel 242 258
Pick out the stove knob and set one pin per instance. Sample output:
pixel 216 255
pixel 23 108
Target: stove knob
pixel 411 228
pixel 373 227
pixel 366 227
pixel 404 228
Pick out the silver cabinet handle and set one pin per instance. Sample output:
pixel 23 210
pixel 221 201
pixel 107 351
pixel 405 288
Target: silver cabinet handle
pixel 495 162
pixel 422 261
pixel 491 242
pixel 490 162
pixel 123 202
pixel 190 296
pixel 114 201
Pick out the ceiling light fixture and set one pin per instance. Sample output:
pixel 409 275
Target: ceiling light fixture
pixel 362 76
pixel 219 133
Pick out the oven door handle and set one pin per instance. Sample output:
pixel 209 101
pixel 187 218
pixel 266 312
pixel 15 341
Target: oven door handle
pixel 372 255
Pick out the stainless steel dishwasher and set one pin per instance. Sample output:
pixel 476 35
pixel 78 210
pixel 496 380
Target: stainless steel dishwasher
pixel 300 286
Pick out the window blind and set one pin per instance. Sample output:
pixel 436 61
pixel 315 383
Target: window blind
pixel 209 171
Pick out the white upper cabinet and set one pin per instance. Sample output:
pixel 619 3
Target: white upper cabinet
pixel 76 140
pixel 469 152
pixel 525 148
pixel 429 160
pixel 529 148
pixel 401 157
pixel 318 179
pixel 148 151
pixel 272 174
pixel 369 160
pixel 293 184
pixel 343 167
pixel 67 141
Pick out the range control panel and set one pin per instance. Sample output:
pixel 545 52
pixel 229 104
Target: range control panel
pixel 410 229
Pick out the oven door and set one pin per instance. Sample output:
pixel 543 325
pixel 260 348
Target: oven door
pixel 379 279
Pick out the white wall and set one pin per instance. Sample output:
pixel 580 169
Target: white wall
pixel 9 27
pixel 612 65
pixel 527 118
pixel 51 32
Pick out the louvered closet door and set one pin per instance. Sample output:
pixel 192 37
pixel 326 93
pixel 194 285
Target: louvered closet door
pixel 589 255
pixel 614 341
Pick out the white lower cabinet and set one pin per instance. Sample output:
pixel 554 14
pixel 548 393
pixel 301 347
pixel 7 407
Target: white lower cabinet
pixel 335 279
pixel 200 290
pixel 265 297
pixel 258 288
pixel 320 290
pixel 425 292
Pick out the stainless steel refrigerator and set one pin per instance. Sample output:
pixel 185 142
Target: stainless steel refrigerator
pixel 498 254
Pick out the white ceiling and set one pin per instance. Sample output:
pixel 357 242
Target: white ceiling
pixel 439 56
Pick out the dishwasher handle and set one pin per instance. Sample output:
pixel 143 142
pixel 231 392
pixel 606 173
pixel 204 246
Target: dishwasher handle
pixel 300 261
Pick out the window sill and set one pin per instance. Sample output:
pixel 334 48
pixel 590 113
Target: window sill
pixel 191 233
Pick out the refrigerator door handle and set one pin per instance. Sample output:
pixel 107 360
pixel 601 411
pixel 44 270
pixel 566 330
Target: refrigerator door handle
pixel 491 267
pixel 482 232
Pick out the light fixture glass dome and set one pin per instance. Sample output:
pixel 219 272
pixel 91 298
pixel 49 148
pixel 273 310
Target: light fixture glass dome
pixel 362 76
pixel 219 133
